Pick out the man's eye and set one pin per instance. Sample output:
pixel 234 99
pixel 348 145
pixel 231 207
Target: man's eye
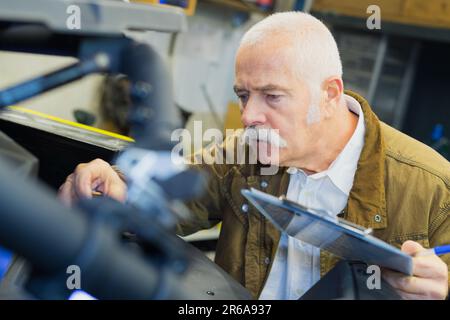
pixel 243 97
pixel 273 97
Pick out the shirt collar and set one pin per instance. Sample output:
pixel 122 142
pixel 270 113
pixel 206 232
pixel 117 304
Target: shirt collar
pixel 342 170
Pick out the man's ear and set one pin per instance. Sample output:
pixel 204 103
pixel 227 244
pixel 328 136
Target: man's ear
pixel 332 91
pixel 334 88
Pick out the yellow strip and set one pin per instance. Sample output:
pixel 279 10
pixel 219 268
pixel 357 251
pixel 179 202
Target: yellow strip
pixel 73 124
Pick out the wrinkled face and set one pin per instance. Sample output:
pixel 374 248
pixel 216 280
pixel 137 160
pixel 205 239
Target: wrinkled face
pixel 273 96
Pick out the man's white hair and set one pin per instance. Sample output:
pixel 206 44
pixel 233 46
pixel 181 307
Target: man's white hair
pixel 316 51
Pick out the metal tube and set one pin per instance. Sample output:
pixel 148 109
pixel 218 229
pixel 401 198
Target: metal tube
pixel 41 84
pixel 52 237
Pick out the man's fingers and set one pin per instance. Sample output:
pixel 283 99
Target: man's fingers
pixel 95 176
pixel 418 287
pixel 89 176
pixel 83 182
pixel 430 276
pixel 430 267
pixel 395 279
pixel 411 247
pixel 97 185
pixel 65 191
pixel 117 192
pixel 410 296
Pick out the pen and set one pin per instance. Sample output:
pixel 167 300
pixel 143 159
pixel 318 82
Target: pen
pixel 440 250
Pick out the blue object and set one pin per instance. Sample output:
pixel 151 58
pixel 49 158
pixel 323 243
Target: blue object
pixel 440 250
pixel 5 260
pixel 178 3
pixel 299 5
pixel 438 132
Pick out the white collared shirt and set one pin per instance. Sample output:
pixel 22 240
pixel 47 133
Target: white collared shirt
pixel 296 267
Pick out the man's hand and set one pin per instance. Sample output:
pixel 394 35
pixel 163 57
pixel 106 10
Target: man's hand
pixel 87 178
pixel 429 280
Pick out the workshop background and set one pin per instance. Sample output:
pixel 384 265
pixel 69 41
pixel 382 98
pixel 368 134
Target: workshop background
pixel 402 69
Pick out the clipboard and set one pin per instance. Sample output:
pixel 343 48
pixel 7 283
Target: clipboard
pixel 344 239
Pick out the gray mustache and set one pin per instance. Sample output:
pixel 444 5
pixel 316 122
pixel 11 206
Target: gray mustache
pixel 263 134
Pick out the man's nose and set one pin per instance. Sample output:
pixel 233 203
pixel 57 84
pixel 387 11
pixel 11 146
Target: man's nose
pixel 252 115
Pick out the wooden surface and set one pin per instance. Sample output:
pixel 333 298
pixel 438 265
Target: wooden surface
pixel 428 13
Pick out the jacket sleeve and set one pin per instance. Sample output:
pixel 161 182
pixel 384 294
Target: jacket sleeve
pixel 207 210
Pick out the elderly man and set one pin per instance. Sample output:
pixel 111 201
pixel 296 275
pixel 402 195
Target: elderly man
pixel 336 156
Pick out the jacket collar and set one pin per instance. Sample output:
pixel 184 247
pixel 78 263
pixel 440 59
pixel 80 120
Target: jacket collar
pixel 367 202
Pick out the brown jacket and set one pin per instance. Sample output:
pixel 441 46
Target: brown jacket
pixel 401 189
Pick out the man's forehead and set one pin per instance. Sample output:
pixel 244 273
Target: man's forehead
pixel 268 58
pixel 264 69
pixel 265 78
pixel 278 47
